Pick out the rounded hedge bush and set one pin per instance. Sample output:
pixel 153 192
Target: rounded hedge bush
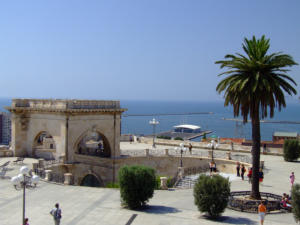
pixel 291 150
pixel 211 194
pixel 296 202
pixel 137 185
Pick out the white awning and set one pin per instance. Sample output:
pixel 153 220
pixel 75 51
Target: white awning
pixel 188 126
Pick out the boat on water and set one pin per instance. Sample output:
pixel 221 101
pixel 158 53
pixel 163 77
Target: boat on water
pixel 183 132
pixel 187 128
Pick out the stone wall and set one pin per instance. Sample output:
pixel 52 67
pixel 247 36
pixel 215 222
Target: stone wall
pixel 106 169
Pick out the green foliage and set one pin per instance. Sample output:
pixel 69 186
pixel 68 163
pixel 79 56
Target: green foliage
pixel 291 150
pixel 157 183
pixel 257 77
pixel 178 138
pixel 170 182
pixel 164 137
pixel 211 194
pixel 137 185
pixel 112 185
pixel 256 83
pixel 296 202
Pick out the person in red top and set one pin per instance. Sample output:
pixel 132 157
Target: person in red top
pixel 262 210
pixel 249 175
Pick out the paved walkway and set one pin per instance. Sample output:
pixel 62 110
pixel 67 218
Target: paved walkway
pixel 89 206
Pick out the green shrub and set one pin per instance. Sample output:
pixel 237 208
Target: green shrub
pixel 137 185
pixel 211 194
pixel 178 138
pixel 291 150
pixel 157 183
pixel 112 185
pixel 170 182
pixel 296 202
pixel 164 137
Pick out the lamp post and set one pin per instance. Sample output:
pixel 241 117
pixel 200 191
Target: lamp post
pixel 153 122
pixel 22 181
pixel 181 148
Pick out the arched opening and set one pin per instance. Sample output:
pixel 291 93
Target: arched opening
pixel 91 180
pixel 93 143
pixel 44 146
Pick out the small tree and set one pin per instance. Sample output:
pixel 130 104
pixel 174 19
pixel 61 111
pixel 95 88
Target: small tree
pixel 296 202
pixel 291 150
pixel 137 185
pixel 211 194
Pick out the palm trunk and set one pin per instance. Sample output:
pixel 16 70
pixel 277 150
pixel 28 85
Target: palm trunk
pixel 255 154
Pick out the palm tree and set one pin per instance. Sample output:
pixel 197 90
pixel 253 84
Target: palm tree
pixel 255 85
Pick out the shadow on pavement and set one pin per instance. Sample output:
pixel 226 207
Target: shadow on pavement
pixel 235 220
pixel 157 209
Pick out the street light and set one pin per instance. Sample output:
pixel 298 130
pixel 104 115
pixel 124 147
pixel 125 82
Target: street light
pixel 181 148
pixel 153 122
pixel 22 181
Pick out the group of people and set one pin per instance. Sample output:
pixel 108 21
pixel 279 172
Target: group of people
pixel 241 170
pixel 55 212
pixel 286 202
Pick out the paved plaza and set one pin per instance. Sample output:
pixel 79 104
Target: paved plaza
pixel 89 206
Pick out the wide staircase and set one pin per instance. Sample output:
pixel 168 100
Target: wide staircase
pixel 186 182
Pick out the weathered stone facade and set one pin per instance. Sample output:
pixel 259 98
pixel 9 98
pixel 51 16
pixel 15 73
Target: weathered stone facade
pixel 67 121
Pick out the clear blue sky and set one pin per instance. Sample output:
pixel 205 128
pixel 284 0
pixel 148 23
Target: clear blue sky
pixel 133 49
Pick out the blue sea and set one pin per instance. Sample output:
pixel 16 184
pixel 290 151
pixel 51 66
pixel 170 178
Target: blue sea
pixel 140 124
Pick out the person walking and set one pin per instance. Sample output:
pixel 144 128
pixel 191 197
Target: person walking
pixel 249 175
pixel 243 170
pixel 292 178
pixel 190 148
pixel 261 175
pixel 262 210
pixel 238 169
pixel 56 213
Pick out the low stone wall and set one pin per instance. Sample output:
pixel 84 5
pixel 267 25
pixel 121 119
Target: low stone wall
pixel 106 169
pixel 236 202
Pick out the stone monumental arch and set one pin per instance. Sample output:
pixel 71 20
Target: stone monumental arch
pixel 62 129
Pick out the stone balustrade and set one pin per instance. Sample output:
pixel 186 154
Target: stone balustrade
pixel 163 183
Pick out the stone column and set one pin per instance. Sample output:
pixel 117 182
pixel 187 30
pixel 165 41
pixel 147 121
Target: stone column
pixel 68 178
pixel 163 183
pixel 167 152
pixel 147 152
pixel 41 163
pixel 180 172
pixel 48 175
pixel 228 155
